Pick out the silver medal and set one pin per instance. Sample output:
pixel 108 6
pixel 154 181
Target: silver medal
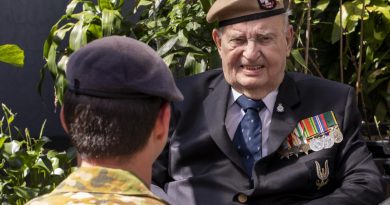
pixel 328 141
pixel 316 144
pixel 337 135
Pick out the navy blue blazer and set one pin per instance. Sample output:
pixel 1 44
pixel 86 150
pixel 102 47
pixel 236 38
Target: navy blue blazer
pixel 200 165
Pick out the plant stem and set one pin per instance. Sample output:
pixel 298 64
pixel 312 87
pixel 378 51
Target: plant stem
pixel 358 79
pixel 341 43
pixel 308 27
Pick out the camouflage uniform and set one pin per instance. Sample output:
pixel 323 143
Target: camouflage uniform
pixel 98 185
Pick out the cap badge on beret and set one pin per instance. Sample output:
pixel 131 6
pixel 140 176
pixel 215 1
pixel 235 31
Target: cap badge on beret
pixel 267 4
pixel 228 12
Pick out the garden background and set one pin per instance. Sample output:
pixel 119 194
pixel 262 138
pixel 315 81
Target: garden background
pixel 356 53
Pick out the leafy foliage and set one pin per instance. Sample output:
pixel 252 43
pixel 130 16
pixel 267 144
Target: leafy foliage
pixel 353 49
pixel 179 32
pixel 75 29
pixel 28 170
pixel 12 54
pixel 347 43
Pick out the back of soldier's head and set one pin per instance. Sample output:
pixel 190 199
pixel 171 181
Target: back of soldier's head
pixel 116 86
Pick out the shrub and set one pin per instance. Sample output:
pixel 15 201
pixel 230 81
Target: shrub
pixel 27 169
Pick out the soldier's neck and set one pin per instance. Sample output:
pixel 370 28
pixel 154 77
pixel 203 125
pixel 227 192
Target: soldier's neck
pixel 141 168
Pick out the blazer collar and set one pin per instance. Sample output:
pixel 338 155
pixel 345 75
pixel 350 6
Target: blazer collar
pixel 215 111
pixel 284 118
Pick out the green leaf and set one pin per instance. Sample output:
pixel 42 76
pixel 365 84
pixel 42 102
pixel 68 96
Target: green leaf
pixel 375 85
pixel 76 36
pixel 182 38
pixel 51 60
pixel 44 163
pixel 189 64
pixel 12 147
pixel 381 111
pixel 71 6
pixel 298 57
pixel 12 54
pixel 71 153
pixel 62 63
pixel 322 5
pixel 26 193
pixel 3 138
pixel 168 59
pixel 10 116
pixel 142 3
pixel 167 46
pixel 118 4
pixel 60 33
pixel 206 4
pixel 352 12
pixel 60 86
pixel 105 4
pixel 95 30
pixel 111 21
pixel 383 9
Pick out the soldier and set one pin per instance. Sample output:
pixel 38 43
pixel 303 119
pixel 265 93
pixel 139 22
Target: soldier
pixel 117 112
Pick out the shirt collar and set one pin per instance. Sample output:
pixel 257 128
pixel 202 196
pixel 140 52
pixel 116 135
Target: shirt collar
pixel 269 99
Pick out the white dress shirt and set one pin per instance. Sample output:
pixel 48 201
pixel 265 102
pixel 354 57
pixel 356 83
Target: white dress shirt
pixel 234 114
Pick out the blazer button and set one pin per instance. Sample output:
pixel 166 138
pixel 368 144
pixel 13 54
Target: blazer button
pixel 242 198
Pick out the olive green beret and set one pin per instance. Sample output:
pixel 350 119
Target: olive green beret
pixel 227 12
pixel 120 67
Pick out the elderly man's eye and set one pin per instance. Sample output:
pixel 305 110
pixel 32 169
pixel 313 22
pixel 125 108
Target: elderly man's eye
pixel 238 40
pixel 265 39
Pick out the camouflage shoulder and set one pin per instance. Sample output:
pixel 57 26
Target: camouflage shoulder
pixel 138 200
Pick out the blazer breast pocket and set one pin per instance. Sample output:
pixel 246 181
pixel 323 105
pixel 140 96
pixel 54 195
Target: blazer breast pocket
pixel 321 174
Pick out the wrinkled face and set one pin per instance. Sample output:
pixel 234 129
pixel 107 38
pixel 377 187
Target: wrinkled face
pixel 254 54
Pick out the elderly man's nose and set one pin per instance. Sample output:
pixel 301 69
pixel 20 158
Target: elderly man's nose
pixel 251 51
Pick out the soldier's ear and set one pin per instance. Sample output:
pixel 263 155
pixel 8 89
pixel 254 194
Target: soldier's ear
pixel 162 121
pixel 159 135
pixel 63 122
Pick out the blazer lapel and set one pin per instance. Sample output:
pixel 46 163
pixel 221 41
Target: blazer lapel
pixel 215 111
pixel 283 121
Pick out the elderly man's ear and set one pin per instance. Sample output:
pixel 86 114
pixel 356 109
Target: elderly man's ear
pixel 289 39
pixel 217 38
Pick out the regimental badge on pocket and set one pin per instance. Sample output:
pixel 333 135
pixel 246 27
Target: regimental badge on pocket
pixel 314 133
pixel 322 174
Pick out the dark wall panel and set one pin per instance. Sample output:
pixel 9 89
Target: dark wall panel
pixel 27 23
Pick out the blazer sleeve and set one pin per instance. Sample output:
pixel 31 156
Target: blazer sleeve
pixel 361 182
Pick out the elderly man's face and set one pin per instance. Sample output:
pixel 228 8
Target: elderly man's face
pixel 254 54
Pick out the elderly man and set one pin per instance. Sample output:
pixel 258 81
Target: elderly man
pixel 253 134
pixel 117 113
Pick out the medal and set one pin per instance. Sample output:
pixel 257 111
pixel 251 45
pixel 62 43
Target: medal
pixel 305 148
pixel 328 141
pixel 295 151
pixel 316 144
pixel 337 135
pixel 313 133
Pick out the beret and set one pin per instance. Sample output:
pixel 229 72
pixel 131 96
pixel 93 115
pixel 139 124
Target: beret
pixel 120 67
pixel 227 12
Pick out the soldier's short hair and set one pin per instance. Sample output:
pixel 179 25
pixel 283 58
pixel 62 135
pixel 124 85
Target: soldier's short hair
pixel 102 127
